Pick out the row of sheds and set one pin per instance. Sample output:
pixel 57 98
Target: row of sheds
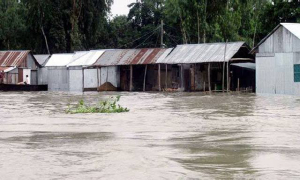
pixel 186 67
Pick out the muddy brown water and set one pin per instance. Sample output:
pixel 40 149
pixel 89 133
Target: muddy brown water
pixel 164 136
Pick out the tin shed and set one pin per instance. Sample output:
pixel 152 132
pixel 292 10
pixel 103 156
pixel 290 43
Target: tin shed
pixel 196 67
pixel 58 75
pixel 42 59
pixel 16 65
pixel 82 78
pixel 130 69
pixel 278 61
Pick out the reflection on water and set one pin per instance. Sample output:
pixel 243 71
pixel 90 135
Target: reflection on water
pixel 164 136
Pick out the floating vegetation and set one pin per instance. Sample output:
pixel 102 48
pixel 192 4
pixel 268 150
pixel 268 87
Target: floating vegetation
pixel 107 106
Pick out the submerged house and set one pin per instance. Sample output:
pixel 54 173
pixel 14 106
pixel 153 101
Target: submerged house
pixel 278 61
pixel 57 72
pixel 82 78
pixel 16 65
pixel 129 69
pixel 202 67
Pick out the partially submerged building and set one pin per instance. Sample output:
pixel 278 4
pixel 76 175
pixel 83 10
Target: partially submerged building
pixel 16 65
pixel 130 69
pixel 42 59
pixel 201 67
pixel 81 77
pixel 278 61
pixel 58 75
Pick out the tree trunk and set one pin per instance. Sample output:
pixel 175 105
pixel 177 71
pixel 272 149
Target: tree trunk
pixel 46 41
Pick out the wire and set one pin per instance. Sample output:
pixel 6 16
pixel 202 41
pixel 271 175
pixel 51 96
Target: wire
pixel 145 39
pixel 142 36
pixel 172 39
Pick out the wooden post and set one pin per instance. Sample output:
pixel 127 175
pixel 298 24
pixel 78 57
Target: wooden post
pixel 228 74
pixel 130 83
pixel 145 75
pixel 195 65
pixel 159 83
pixel 209 85
pixel 223 80
pixel 166 86
pixel 97 78
pixel 181 77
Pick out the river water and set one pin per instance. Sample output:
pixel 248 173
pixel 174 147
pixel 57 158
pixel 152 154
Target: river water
pixel 164 136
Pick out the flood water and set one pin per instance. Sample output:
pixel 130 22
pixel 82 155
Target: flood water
pixel 164 136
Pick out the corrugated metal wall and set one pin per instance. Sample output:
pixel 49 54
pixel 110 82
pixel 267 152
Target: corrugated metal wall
pixel 58 79
pixel 90 78
pixel 42 76
pixel 75 80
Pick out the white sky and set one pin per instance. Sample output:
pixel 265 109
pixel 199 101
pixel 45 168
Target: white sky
pixel 120 7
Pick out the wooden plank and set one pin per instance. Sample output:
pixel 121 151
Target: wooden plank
pixel 145 76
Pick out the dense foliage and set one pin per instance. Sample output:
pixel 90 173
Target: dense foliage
pixel 53 26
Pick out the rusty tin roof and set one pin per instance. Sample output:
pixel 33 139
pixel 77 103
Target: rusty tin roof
pixel 13 58
pixel 130 57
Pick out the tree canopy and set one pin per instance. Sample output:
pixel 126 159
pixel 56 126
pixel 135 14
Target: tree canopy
pixel 55 26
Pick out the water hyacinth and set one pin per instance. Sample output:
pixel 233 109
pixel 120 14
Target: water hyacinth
pixel 107 106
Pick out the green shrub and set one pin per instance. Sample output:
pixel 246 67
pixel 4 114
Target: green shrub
pixel 108 106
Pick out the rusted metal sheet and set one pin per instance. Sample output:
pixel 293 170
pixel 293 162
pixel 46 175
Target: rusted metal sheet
pixel 130 56
pixel 13 58
pixel 202 53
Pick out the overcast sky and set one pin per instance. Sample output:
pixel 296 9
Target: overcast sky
pixel 120 7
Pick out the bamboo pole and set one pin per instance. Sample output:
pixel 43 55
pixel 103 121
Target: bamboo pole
pixel 159 80
pixel 145 75
pixel 209 85
pixel 130 83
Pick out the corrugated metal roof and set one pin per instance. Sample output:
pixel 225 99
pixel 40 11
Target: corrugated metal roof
pixel 130 56
pixel 13 58
pixel 87 59
pixel 42 58
pixel 60 60
pixel 294 28
pixel 201 53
